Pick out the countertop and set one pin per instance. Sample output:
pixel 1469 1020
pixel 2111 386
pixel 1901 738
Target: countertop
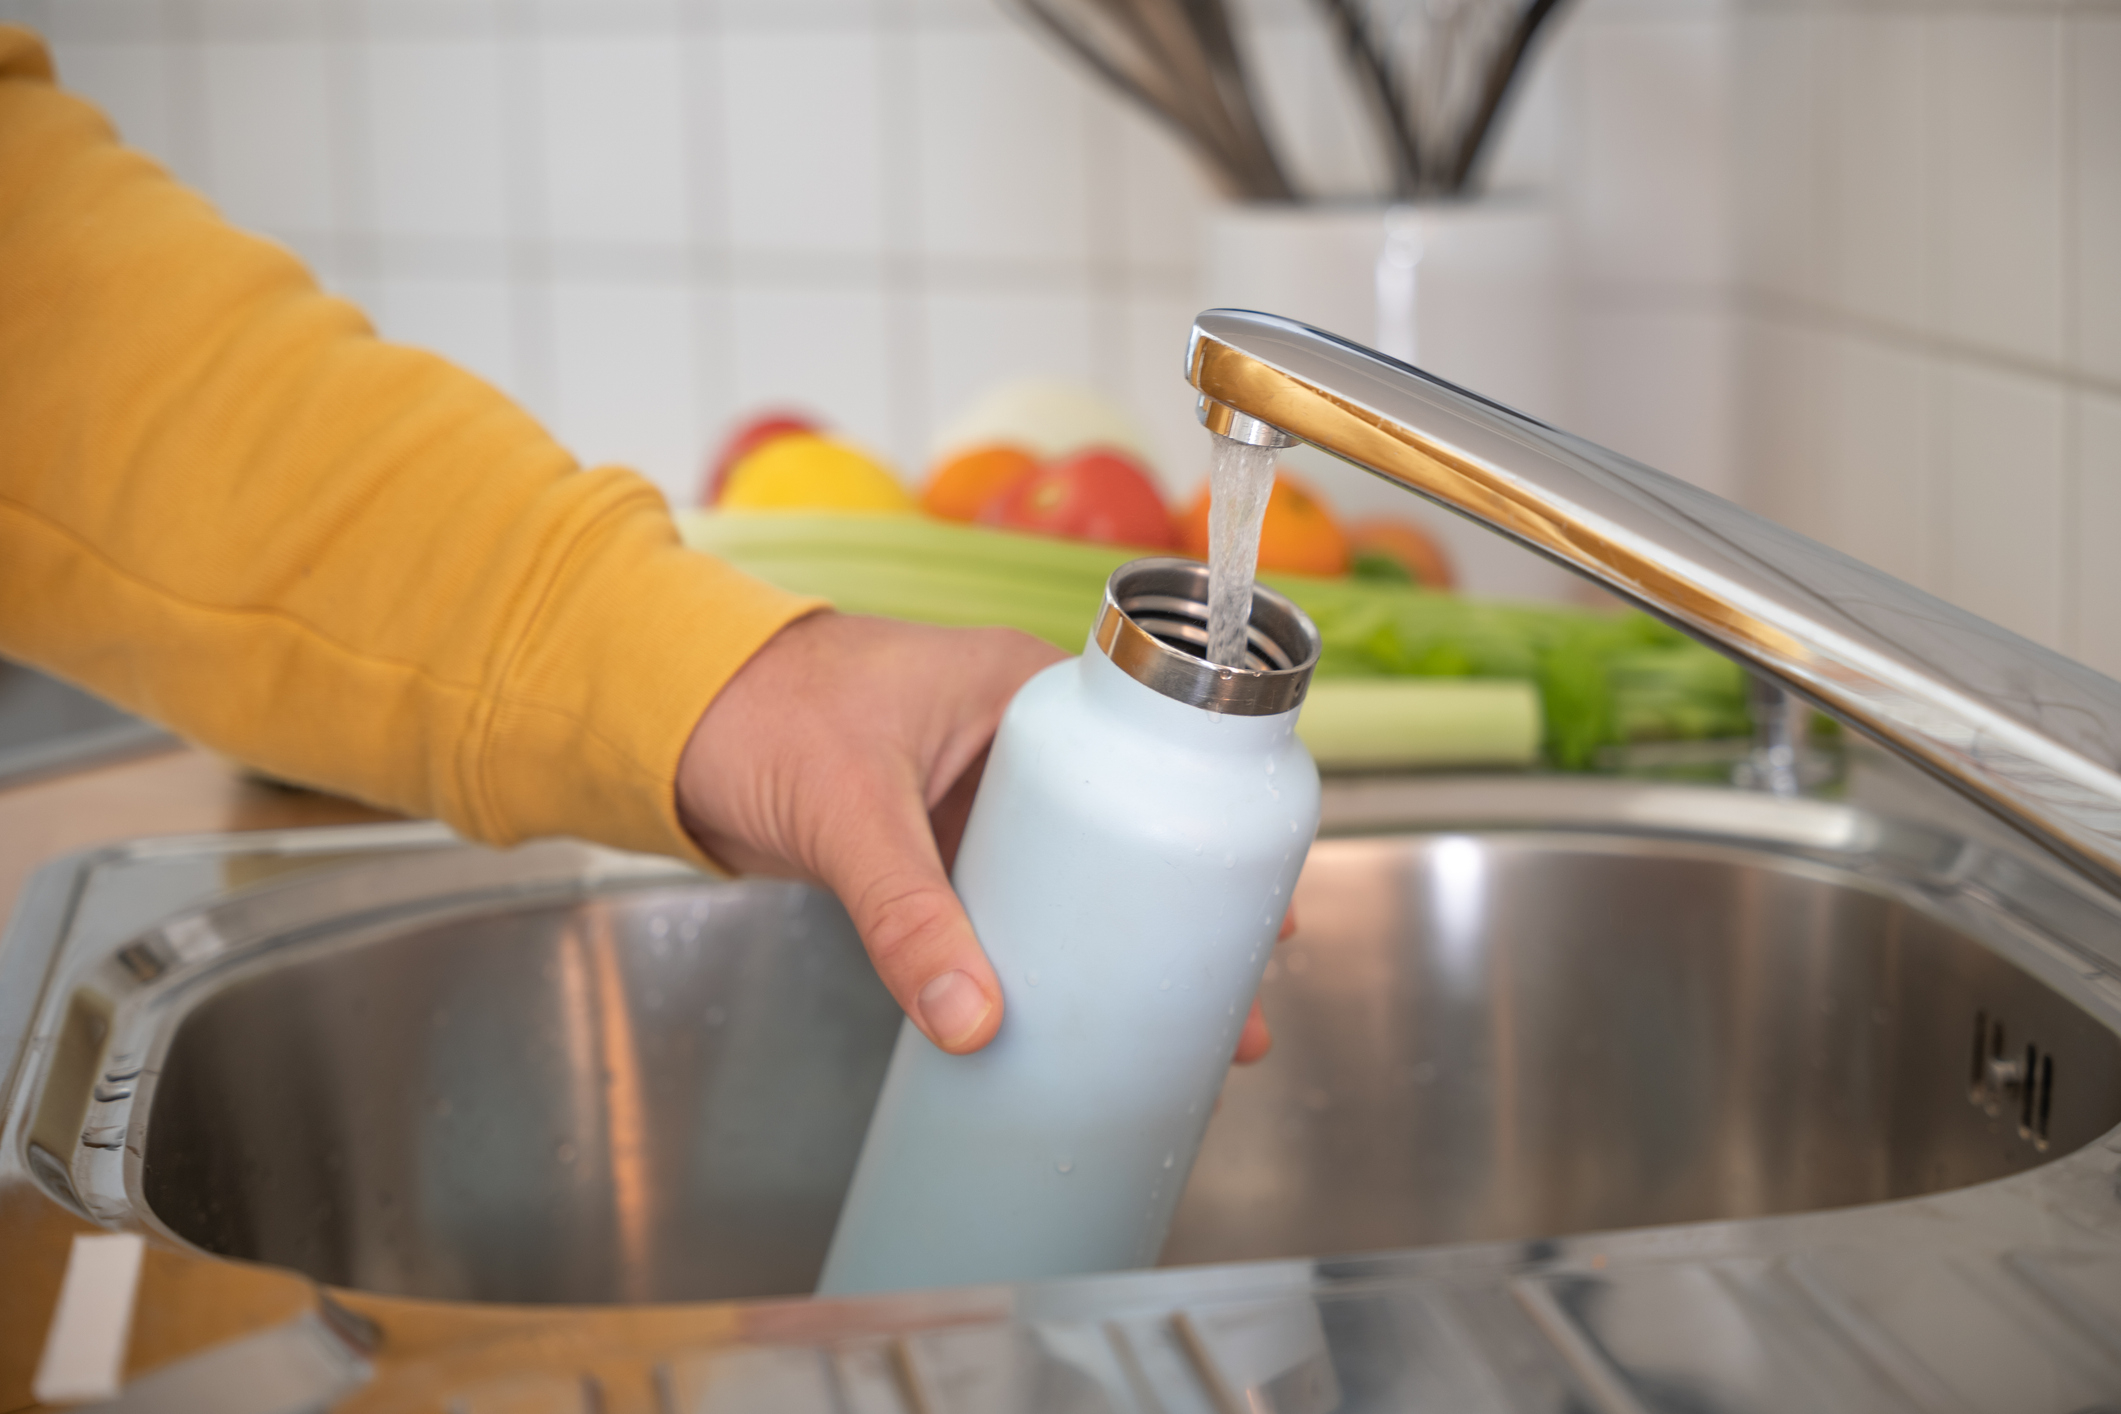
pixel 1998 1298
pixel 179 791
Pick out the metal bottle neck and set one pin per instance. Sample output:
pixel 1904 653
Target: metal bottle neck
pixel 1154 628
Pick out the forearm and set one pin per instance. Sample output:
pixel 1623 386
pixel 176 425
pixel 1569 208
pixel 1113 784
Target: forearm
pixel 224 503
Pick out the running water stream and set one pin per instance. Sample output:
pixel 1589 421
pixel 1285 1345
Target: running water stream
pixel 1240 477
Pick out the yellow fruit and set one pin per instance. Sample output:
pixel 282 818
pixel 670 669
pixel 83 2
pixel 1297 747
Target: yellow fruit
pixel 803 471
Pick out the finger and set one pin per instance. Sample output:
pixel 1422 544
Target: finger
pixel 884 867
pixel 1255 1040
pixel 1288 926
pixel 954 809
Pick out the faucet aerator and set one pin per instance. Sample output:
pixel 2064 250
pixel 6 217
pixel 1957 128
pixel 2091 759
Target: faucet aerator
pixel 1226 421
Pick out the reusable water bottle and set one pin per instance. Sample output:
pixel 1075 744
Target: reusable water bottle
pixel 1128 860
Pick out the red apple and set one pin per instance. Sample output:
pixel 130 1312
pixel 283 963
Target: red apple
pixel 1100 494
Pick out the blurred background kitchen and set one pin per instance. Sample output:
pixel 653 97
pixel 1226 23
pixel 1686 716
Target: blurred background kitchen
pixel 1856 265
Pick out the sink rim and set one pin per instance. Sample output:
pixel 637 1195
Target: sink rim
pixel 161 974
pixel 2075 1189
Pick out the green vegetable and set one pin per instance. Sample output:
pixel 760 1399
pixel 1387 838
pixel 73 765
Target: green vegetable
pixel 1602 678
pixel 1377 567
pixel 1350 722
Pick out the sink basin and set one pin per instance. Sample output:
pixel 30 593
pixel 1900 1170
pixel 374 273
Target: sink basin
pixel 1514 1011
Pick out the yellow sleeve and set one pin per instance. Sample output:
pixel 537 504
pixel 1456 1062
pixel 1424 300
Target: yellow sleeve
pixel 225 504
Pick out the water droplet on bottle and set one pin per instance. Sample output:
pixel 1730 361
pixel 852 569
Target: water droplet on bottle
pixel 1199 848
pixel 1276 893
pixel 1164 986
pixel 1292 827
pixel 1229 861
pixel 1274 791
pixel 1233 1008
pixel 1064 1165
pixel 1031 978
pixel 1169 1159
pixel 564 1151
pixel 442 1107
pixel 658 927
pixel 1270 765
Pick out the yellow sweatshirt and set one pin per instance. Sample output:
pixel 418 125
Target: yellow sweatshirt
pixel 225 504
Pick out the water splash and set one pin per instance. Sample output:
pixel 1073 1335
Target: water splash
pixel 1240 477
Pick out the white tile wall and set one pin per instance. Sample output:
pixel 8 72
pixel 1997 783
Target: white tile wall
pixel 1001 150
pixel 436 147
pixel 1878 164
pixel 976 338
pixel 1780 206
pixel 2004 501
pixel 1965 169
pixel 1876 457
pixel 2000 200
pixel 133 83
pixel 627 375
pixel 272 154
pixel 1783 365
pixel 804 145
pixel 1656 383
pixel 1652 159
pixel 2096 439
pixel 1857 263
pixel 1159 192
pixel 823 348
pixel 2094 44
pixel 469 319
pixel 612 129
pixel 643 218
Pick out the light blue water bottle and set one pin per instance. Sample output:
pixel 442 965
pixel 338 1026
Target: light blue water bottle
pixel 1127 863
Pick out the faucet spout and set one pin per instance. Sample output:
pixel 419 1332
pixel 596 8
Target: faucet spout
pixel 2025 732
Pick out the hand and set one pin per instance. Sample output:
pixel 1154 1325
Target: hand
pixel 1256 1040
pixel 846 752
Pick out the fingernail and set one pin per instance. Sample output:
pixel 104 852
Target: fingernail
pixel 952 1007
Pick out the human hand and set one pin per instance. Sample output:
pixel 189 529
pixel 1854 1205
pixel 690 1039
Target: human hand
pixel 847 752
pixel 1256 1040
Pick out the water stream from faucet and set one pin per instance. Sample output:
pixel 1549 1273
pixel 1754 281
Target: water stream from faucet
pixel 1240 478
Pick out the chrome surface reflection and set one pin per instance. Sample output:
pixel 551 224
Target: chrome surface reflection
pixel 2026 732
pixel 1510 1036
pixel 1525 1009
pixel 648 1096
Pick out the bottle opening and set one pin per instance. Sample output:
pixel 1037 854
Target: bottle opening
pixel 1154 628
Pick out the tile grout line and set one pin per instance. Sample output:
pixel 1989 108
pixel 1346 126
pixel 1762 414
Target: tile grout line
pixel 705 153
pixel 2072 474
pixel 528 262
pixel 905 283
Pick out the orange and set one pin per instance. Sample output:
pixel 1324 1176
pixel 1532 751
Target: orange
pixel 964 482
pixel 1298 536
pixel 1401 543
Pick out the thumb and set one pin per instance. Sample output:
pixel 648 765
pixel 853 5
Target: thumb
pixel 886 870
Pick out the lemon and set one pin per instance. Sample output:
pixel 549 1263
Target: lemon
pixel 803 471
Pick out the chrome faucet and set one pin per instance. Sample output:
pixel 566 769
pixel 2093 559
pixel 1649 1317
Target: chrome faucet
pixel 2025 732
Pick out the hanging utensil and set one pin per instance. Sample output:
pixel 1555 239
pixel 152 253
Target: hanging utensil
pixel 1179 60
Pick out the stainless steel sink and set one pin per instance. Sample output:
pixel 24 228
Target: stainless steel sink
pixel 1516 1010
